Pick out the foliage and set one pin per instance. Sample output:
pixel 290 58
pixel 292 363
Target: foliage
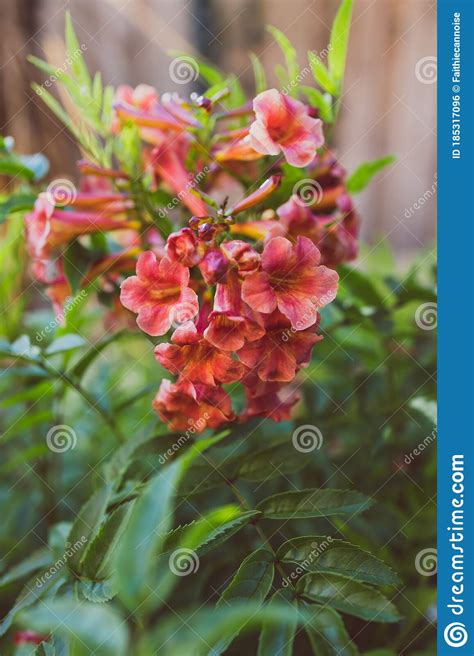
pixel 120 536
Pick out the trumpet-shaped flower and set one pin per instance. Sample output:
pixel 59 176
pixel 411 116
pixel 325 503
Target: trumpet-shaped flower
pixel 291 280
pixel 159 293
pixel 183 405
pixel 284 124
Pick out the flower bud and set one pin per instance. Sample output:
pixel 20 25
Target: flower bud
pixel 182 246
pixel 214 266
pixel 242 255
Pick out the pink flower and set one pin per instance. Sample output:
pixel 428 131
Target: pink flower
pixel 284 124
pixel 264 399
pixel 48 227
pixel 159 293
pixel 183 405
pixel 292 281
pixel 278 354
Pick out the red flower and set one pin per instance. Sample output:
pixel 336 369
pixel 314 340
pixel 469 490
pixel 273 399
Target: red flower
pixel 196 360
pixel 183 405
pixel 159 293
pixel 276 356
pixel 231 322
pixel 284 124
pixel 264 399
pixel 291 281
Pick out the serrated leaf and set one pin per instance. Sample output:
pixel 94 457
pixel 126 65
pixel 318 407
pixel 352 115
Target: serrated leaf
pixel 97 591
pixel 327 634
pixel 339 39
pixel 348 596
pixel 97 559
pixel 258 72
pixel 87 523
pixel 273 461
pixel 321 74
pixel 65 343
pixel 90 628
pixel 252 582
pixel 314 503
pixel 278 641
pixel 229 520
pixel 364 173
pixel 325 554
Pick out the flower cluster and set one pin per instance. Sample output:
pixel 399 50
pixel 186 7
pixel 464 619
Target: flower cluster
pixel 230 275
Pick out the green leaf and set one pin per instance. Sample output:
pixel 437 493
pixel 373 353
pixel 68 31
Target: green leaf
pixel 96 591
pixel 324 554
pixel 146 530
pixel 65 343
pixel 74 51
pixel 51 102
pixel 14 167
pixel 259 73
pixel 314 503
pixel 348 596
pixel 16 203
pixel 92 629
pixel 37 560
pixel 359 285
pixel 278 641
pixel 273 461
pixel 115 468
pixel 252 582
pixel 288 51
pixel 361 177
pixel 327 634
pixel 97 559
pixel 338 40
pixel 212 529
pixel 321 74
pixel 77 260
pixel 200 632
pixel 37 588
pixel 86 525
pixel 321 101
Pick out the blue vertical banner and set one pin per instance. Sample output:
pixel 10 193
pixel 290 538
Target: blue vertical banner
pixel 456 328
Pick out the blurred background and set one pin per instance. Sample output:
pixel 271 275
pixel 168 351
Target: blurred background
pixel 388 103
